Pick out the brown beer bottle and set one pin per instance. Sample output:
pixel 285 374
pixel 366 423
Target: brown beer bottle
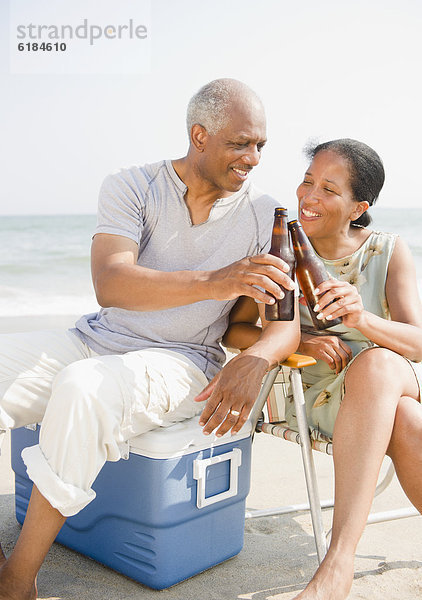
pixel 310 272
pixel 284 309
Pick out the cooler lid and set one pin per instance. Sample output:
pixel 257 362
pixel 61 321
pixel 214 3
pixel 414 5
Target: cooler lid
pixel 182 438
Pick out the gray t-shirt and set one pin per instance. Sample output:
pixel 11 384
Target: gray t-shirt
pixel 146 204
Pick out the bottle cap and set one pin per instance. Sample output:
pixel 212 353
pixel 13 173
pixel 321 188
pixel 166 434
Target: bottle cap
pixel 280 212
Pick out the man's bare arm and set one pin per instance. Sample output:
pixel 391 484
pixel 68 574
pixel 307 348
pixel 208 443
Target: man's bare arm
pixel 119 281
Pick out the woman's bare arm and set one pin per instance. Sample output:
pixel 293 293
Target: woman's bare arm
pixel 403 334
pixel 243 330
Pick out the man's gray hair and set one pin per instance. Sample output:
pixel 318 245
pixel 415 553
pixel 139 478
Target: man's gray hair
pixel 209 106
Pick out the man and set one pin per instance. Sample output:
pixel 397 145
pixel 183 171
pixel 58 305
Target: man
pixel 168 264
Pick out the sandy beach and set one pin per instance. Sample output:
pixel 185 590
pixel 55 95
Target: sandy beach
pixel 279 554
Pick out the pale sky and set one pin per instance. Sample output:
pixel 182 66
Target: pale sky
pixel 324 69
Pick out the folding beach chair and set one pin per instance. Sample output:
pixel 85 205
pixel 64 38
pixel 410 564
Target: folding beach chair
pixel 290 370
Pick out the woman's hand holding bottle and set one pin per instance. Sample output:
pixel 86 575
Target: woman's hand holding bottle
pixel 339 299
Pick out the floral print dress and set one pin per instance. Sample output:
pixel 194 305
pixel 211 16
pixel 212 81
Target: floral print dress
pixel 323 388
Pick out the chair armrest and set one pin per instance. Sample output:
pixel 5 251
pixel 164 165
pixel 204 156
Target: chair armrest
pixel 297 361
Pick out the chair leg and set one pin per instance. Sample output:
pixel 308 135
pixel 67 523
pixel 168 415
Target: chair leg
pixel 308 464
pixel 255 513
pixel 263 395
pixel 387 479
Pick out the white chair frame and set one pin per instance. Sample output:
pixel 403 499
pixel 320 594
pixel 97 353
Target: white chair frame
pixel 315 506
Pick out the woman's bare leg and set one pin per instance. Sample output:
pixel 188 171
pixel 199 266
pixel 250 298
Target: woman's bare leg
pixel 18 574
pixel 363 429
pixel 404 452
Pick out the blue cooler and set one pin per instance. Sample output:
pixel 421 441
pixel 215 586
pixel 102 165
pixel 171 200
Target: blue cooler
pixel 175 508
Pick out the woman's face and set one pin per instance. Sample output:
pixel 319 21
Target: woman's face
pixel 326 204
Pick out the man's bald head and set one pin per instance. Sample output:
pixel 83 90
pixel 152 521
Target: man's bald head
pixel 212 104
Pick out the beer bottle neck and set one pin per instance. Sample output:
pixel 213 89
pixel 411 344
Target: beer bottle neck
pixel 301 244
pixel 280 235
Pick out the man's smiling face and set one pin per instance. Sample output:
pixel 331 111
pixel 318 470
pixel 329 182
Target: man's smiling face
pixel 230 155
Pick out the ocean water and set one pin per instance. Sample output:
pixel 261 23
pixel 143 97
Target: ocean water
pixel 45 260
pixel 45 265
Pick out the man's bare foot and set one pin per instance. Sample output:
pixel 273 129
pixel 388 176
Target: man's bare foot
pixel 332 580
pixel 12 589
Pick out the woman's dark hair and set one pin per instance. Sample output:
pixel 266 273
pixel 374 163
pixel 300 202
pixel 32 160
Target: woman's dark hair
pixel 366 171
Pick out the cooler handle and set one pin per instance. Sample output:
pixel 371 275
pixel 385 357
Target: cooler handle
pixel 200 471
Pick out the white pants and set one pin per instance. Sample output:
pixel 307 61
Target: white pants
pixel 89 405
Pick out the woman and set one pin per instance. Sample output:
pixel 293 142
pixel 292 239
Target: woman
pixel 366 384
